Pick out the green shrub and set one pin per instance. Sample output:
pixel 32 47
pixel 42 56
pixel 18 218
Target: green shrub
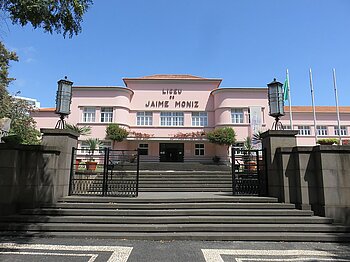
pixel 328 141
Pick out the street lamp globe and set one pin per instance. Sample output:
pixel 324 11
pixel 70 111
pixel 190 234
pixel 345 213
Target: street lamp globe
pixel 63 101
pixel 276 102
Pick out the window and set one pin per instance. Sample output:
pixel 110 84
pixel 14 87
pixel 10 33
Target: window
pixel 144 118
pixel 343 131
pixel 199 149
pixel 304 130
pixel 171 118
pixel 286 127
pixel 143 149
pixel 88 114
pixel 322 131
pixel 199 119
pixel 106 114
pixel 237 115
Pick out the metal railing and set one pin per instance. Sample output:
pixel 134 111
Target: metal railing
pixel 248 172
pixel 104 172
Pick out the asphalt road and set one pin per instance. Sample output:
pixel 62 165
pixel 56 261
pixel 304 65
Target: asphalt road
pixel 97 250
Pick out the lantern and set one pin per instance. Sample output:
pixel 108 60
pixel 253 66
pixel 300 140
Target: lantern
pixel 276 102
pixel 63 100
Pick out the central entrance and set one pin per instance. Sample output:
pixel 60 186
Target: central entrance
pixel 171 152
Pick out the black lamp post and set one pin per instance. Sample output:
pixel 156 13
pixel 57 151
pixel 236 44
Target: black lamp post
pixel 63 101
pixel 276 102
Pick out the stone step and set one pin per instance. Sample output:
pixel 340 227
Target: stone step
pixel 186 185
pixel 161 198
pixel 191 189
pixel 90 227
pixel 170 212
pixel 187 180
pixel 207 236
pixel 170 219
pixel 167 206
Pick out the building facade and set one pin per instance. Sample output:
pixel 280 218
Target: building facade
pixel 168 115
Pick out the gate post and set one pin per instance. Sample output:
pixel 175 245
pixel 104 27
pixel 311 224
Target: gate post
pixel 272 140
pixel 137 172
pixel 233 171
pixel 64 140
pixel 105 170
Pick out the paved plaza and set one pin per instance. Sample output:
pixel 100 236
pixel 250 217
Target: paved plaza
pixel 98 250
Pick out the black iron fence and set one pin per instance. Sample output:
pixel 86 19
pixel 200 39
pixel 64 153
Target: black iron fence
pixel 104 172
pixel 248 172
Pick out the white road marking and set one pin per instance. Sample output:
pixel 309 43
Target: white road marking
pixel 214 255
pixel 119 254
pixel 92 256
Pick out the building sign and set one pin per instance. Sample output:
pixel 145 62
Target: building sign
pixel 173 100
pixel 255 118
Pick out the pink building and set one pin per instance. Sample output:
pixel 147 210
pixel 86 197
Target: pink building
pixel 165 115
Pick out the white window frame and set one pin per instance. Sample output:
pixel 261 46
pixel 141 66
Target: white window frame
pixel 322 130
pixel 304 130
pixel 89 114
pixel 343 131
pixel 106 114
pixel 144 118
pixel 199 149
pixel 171 118
pixel 199 119
pixel 237 115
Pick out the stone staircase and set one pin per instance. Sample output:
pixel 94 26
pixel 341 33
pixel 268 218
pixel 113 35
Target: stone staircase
pixel 177 201
pixel 184 177
pixel 174 216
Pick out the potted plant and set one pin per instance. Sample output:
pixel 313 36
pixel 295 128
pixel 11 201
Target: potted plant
pixel 248 158
pixel 328 141
pixel 93 144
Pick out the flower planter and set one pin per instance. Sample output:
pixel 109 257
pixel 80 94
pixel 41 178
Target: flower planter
pixel 77 163
pixel 91 165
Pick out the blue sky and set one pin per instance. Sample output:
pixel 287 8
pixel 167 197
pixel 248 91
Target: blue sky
pixel 246 43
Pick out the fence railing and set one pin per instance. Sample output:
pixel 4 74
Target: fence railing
pixel 248 172
pixel 104 172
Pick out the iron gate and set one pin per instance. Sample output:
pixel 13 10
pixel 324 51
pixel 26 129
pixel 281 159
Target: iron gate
pixel 104 172
pixel 248 172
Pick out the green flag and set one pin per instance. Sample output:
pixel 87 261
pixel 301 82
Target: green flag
pixel 285 89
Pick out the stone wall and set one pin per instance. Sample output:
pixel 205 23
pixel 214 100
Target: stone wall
pixel 31 175
pixel 316 178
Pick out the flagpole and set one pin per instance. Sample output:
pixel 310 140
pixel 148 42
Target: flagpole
pixel 336 104
pixel 290 103
pixel 313 104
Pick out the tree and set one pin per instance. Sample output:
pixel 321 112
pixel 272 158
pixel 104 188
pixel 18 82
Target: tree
pixel 248 145
pixel 63 16
pixel 115 133
pixel 82 131
pixel 222 136
pixel 93 144
pixel 5 58
pixel 22 124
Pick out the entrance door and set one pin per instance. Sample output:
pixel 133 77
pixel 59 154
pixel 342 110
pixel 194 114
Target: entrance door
pixel 171 152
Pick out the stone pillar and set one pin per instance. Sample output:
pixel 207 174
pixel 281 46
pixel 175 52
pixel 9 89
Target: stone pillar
pixel 271 141
pixel 64 140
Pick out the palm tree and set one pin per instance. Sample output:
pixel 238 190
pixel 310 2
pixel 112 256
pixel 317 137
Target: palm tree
pixel 248 145
pixel 82 131
pixel 93 144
